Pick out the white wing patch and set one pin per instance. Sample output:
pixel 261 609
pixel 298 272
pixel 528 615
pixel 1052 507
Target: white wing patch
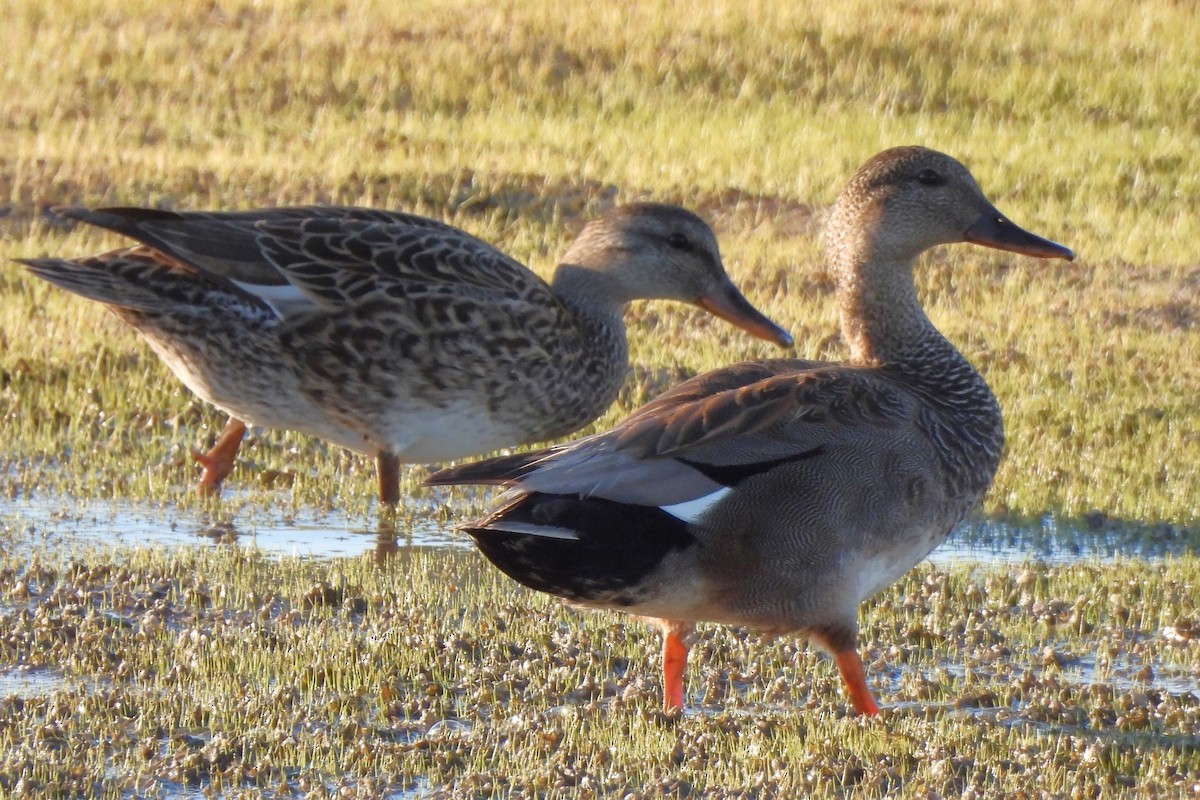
pixel 691 510
pixel 530 529
pixel 285 300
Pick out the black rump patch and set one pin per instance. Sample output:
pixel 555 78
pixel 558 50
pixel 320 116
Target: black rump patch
pixel 618 545
pixel 733 474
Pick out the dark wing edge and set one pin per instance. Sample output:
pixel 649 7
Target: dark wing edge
pixel 352 257
pixel 139 278
pixel 500 471
pixel 687 445
pixel 261 246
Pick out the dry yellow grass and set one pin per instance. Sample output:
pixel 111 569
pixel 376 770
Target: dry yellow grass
pixel 514 120
pixel 226 672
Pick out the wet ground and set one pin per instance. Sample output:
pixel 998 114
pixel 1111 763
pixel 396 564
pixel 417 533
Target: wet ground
pixel 53 525
pixel 63 525
pixel 970 662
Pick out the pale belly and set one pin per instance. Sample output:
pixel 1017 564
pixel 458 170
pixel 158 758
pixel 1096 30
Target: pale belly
pixel 875 572
pixel 260 389
pixel 422 434
pixel 773 602
pixel 414 433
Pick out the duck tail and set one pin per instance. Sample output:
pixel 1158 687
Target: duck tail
pixel 500 471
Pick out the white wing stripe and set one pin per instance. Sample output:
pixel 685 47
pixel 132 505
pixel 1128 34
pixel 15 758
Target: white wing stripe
pixel 285 299
pixel 691 510
pixel 531 529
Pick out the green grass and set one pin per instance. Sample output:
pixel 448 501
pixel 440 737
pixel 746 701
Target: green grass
pixel 229 672
pixel 516 121
pixel 226 671
pixel 222 670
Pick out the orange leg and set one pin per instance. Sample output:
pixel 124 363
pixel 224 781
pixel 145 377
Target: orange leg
pixel 218 462
pixel 850 665
pixel 388 467
pixel 675 654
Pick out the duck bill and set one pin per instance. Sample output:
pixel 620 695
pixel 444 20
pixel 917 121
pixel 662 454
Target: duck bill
pixel 993 229
pixel 731 305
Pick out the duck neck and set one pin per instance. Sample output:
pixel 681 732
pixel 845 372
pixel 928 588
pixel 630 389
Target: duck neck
pixel 882 320
pixel 886 327
pixel 590 294
pixel 596 354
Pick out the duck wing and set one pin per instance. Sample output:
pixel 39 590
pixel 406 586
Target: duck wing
pixel 708 434
pixel 304 258
pixel 140 280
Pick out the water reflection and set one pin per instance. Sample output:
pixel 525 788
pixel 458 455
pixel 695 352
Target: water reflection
pixel 30 681
pixel 65 525
pixel 1058 541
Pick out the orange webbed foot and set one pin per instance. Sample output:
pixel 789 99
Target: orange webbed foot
pixel 675 656
pixel 850 666
pixel 218 461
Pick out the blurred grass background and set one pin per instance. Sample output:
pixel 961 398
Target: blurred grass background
pixel 517 121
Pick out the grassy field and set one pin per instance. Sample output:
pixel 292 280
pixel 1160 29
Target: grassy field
pixel 228 673
pixel 517 121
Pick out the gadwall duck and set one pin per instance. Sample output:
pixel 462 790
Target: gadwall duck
pixel 388 333
pixel 779 494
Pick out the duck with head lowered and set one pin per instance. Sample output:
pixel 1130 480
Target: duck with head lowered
pixel 388 333
pixel 778 495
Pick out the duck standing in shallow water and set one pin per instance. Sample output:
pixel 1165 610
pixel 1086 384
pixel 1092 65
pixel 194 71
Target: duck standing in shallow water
pixel 388 333
pixel 778 495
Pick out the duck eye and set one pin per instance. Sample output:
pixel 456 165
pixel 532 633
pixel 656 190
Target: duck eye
pixel 930 178
pixel 679 242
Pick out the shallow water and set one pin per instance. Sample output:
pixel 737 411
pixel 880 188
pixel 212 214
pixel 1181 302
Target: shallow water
pixel 61 525
pixel 1057 541
pixel 44 524
pixel 30 682
pixel 57 524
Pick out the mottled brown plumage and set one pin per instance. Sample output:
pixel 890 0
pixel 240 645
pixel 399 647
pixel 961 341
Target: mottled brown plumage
pixel 392 334
pixel 779 494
